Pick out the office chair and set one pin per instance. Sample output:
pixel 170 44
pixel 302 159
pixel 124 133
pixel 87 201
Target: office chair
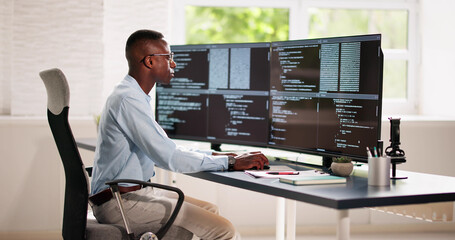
pixel 75 223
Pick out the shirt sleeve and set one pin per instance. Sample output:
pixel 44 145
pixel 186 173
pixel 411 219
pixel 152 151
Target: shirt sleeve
pixel 135 118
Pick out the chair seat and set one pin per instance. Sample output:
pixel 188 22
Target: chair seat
pixel 97 230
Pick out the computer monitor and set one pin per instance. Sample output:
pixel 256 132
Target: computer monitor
pixel 326 95
pixel 219 94
pixel 317 96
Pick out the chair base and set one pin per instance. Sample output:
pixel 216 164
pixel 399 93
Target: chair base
pixel 97 230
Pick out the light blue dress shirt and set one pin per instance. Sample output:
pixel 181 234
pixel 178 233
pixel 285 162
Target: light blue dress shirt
pixel 130 142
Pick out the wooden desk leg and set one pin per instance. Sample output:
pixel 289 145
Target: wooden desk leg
pixel 280 218
pixel 343 225
pixel 291 207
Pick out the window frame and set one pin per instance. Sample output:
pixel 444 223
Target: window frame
pixel 298 13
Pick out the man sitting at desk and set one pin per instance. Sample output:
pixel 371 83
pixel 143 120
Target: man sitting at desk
pixel 130 144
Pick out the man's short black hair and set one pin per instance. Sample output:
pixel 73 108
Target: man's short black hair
pixel 142 35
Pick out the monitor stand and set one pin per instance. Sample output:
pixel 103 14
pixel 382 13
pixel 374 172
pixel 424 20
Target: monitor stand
pixel 326 162
pixel 215 147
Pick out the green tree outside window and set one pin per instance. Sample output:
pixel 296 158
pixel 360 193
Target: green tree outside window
pixel 235 24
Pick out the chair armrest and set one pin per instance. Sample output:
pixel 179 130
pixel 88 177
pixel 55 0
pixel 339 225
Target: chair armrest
pixel 162 231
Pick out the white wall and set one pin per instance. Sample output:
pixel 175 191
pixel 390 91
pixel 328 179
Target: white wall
pixel 121 18
pixel 437 57
pixel 46 34
pixel 6 9
pixel 31 176
pixel 86 39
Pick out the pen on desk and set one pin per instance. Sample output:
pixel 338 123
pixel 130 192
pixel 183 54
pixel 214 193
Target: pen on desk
pixel 369 152
pixel 283 173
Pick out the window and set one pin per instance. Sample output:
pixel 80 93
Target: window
pixel 236 24
pixel 231 21
pixel 205 21
pixel 395 20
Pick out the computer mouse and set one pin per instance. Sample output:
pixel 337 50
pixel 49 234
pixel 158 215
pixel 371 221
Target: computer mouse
pixel 265 167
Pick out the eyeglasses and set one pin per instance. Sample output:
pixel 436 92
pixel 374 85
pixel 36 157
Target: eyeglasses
pixel 170 55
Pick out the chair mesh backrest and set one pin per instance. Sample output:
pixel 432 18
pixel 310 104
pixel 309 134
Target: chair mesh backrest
pixel 76 187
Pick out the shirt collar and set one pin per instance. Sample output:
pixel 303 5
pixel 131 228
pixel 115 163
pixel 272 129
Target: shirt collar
pixel 133 83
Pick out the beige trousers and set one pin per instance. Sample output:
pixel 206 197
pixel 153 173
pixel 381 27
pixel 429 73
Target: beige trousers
pixel 149 206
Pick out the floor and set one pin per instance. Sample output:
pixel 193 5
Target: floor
pixel 374 236
pixel 394 236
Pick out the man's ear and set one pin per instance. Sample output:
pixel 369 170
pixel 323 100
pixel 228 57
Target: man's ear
pixel 148 62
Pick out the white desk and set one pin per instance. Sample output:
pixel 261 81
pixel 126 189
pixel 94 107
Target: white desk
pixel 418 188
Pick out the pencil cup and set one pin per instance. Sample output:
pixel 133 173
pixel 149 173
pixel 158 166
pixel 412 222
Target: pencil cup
pixel 379 171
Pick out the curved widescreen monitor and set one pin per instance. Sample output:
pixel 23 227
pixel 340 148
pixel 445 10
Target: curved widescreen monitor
pixel 318 96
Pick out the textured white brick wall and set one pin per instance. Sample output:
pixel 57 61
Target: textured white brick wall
pixel 53 33
pixel 84 38
pixel 6 13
